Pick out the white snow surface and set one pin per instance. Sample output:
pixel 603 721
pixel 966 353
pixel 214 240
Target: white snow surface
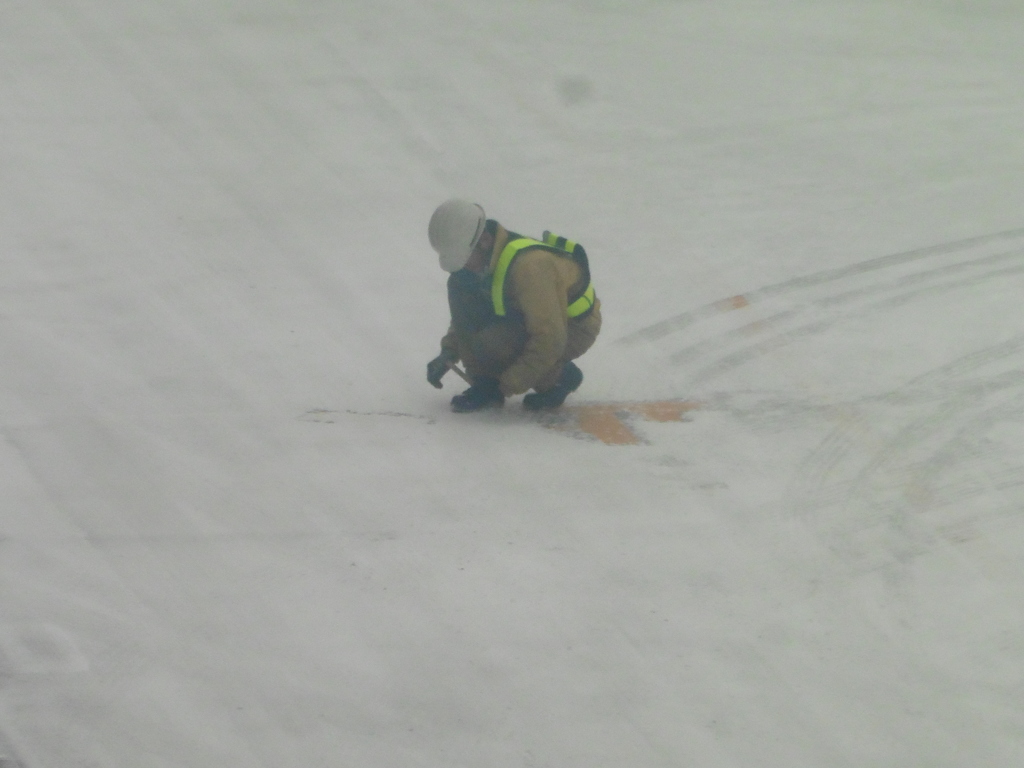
pixel 237 526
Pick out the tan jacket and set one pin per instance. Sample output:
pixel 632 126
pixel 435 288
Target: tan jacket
pixel 538 286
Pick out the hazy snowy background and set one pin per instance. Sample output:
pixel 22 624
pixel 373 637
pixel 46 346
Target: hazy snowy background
pixel 237 526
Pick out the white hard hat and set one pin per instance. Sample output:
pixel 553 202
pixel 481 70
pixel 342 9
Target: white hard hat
pixel 454 230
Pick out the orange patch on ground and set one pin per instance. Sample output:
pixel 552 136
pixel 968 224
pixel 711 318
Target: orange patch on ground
pixel 665 410
pixel 736 302
pixel 602 422
pixel 608 421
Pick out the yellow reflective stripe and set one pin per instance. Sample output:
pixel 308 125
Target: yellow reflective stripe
pixel 498 282
pixel 583 303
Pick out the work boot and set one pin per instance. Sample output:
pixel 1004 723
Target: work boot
pixel 568 382
pixel 484 393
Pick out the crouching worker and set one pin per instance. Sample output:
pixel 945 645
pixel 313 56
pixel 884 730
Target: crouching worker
pixel 521 310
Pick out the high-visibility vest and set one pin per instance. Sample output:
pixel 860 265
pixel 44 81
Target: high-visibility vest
pixel 578 305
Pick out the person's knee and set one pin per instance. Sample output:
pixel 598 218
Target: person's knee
pixel 581 339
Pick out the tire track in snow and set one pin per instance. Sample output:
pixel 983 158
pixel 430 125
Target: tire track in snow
pixel 903 291
pixel 877 489
pixel 682 321
pixel 766 319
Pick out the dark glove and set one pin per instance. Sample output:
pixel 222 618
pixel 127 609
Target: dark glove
pixel 439 366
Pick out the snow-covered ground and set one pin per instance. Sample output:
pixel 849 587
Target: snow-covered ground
pixel 781 526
